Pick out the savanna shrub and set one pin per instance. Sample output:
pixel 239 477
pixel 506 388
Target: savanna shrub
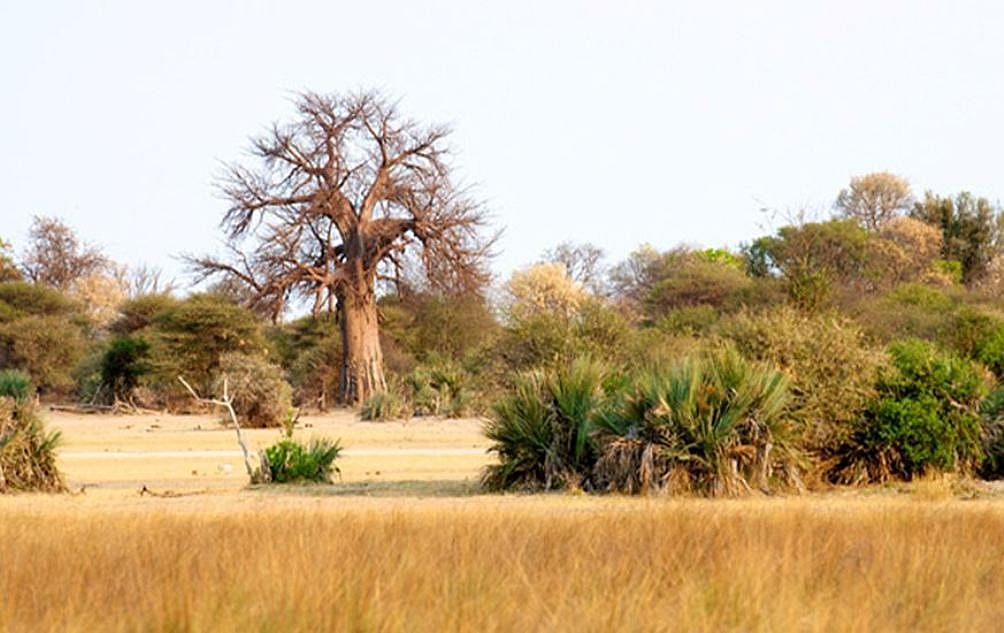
pixel 310 350
pixel 383 406
pixel 261 396
pixel 990 352
pixel 908 310
pixel 291 461
pixel 191 337
pixel 542 430
pixel 123 364
pixel 142 312
pixel 831 367
pixel 992 437
pixel 48 347
pixel 925 418
pixel 698 278
pixel 715 425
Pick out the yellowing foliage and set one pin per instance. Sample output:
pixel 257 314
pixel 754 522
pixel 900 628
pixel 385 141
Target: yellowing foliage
pixel 544 289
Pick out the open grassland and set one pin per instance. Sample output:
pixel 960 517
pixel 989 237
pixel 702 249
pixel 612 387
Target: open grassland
pixel 550 563
pixel 415 548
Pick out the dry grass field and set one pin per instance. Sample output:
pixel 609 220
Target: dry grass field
pixel 404 542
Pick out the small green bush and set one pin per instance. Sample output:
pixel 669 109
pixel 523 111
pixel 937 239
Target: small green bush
pixel 290 461
pixel 925 418
pixel 383 406
pixel 542 430
pixel 16 385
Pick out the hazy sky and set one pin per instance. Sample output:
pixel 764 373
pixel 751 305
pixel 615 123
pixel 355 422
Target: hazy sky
pixel 610 122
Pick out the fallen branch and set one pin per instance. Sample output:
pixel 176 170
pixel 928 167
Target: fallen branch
pixel 227 403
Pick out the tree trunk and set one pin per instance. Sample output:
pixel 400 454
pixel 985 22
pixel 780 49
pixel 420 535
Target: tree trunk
pixel 362 359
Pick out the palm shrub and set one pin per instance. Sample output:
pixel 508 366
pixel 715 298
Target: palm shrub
pixel 27 449
pixel 291 461
pixel 542 430
pixel 714 424
pixel 16 385
pixel 439 388
pixel 925 418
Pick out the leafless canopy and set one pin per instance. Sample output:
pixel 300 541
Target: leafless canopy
pixel 337 199
pixel 583 262
pixel 56 257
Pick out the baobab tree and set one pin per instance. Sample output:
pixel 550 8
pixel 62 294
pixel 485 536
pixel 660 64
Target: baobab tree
pixel 338 198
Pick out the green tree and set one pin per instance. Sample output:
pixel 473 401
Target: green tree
pixel 969 227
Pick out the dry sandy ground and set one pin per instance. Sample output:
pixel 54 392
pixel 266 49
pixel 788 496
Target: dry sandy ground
pixel 108 454
pixel 196 464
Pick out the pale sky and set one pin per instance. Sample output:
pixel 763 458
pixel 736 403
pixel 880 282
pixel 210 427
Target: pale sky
pixel 610 122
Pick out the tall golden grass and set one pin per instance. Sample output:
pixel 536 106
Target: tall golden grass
pixel 507 564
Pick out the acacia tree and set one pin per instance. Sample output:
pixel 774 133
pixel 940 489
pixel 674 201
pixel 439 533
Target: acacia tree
pixel 339 197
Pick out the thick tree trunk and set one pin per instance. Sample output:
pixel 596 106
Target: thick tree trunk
pixel 362 360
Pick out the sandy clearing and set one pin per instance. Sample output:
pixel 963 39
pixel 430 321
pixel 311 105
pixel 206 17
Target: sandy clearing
pixel 185 453
pixel 194 453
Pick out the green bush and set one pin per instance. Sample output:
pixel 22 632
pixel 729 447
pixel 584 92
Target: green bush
pixel 552 340
pixel 191 337
pixel 123 364
pixel 21 299
pixel 925 418
pixel 689 321
pixel 383 406
pixel 47 347
pixel 701 278
pixel 990 352
pixel 831 367
pixel 290 461
pixel 439 388
pixel 142 312
pixel 261 396
pixel 542 430
pixel 310 350
pixel 431 325
pixel 715 425
pixel 992 436
pixel 906 311
pixel 16 385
